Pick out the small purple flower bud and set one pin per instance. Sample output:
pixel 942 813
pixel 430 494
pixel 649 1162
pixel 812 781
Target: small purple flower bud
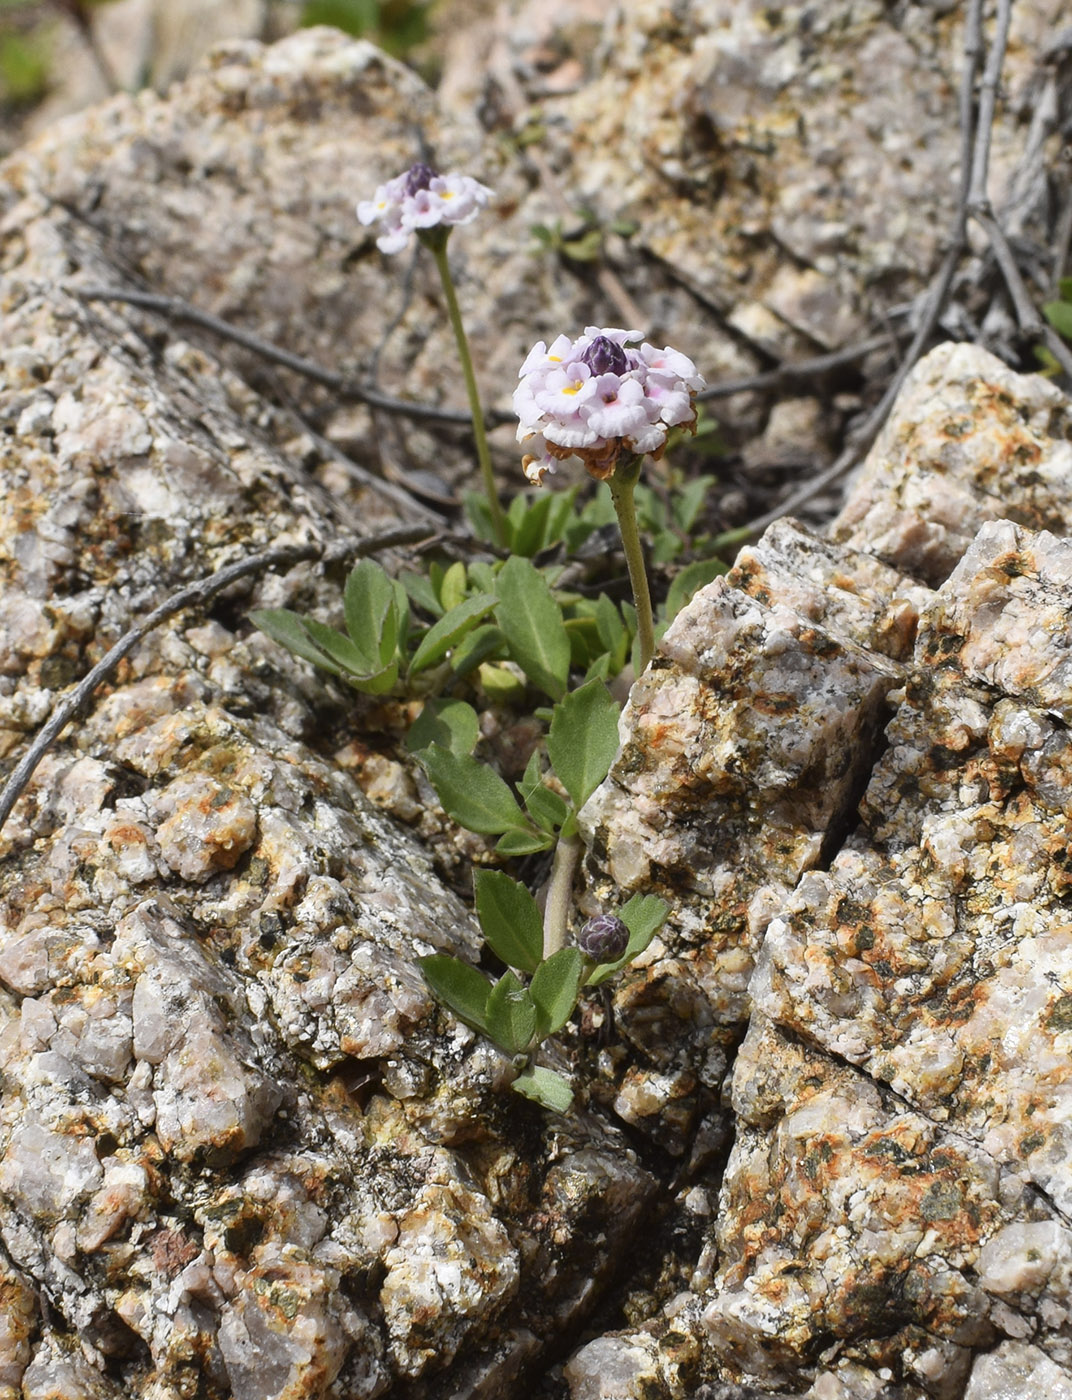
pixel 603 939
pixel 603 356
pixel 419 177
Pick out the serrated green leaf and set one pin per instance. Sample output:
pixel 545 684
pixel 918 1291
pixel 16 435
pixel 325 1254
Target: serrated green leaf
pixel 452 724
pixel 421 592
pixel 289 630
pixel 554 989
pixel 689 581
pixel 600 668
pixel 545 1087
pixel 1059 315
pixel 511 1015
pixel 510 919
pixel 531 621
pixel 583 739
pixel 445 634
pixel 471 792
pixel 481 644
pixel 643 916
pixel 452 588
pixel 458 986
pixel 523 842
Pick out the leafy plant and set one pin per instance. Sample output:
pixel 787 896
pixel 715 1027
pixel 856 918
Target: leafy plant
pixel 535 996
pixel 397 25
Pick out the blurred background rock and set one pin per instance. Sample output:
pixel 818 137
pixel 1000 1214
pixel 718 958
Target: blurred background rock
pixel 57 56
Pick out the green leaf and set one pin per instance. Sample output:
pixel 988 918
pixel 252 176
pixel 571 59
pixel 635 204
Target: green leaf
pixel 554 988
pixel 471 792
pixel 511 1015
pixel 523 842
pixel 665 545
pixel 479 513
pixel 1059 315
pixel 379 684
pixel 452 724
pixel 482 576
pixel 585 646
pixel 500 684
pixel 510 919
pixel 477 647
pixel 587 248
pixel 643 916
pixel 532 623
pixel 689 581
pixel 545 1087
pixel 531 529
pixel 583 739
pixel 289 630
pixel 452 589
pixel 354 660
pixel 371 610
pixel 351 16
pixel 546 808
pixel 422 593
pixel 612 630
pixel 459 986
pixel 688 501
pixel 563 504
pixel 445 634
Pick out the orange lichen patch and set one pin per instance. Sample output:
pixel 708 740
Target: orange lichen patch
pixel 207 825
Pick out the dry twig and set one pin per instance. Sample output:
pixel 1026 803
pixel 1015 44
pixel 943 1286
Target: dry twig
pixel 931 302
pixel 174 309
pixel 191 595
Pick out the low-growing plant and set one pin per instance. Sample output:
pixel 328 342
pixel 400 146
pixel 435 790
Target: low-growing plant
pixel 511 629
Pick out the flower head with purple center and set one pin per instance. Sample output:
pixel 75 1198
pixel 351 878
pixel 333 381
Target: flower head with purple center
pixel 420 198
pixel 604 394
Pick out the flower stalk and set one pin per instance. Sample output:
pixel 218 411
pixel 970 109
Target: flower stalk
pixel 438 247
pixel 560 894
pixel 621 486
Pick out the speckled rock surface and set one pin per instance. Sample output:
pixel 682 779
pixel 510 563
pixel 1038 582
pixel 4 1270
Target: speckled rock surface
pixel 241 1153
pixel 896 1194
pixel 758 234
pixel 970 441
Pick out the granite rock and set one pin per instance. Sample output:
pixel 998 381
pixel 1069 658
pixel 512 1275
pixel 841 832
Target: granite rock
pixel 241 1150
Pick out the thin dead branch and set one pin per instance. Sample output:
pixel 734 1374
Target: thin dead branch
pixel 76 701
pixel 182 312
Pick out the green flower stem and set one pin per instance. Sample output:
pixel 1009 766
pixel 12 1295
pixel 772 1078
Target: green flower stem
pixel 560 894
pixel 621 489
pixel 438 248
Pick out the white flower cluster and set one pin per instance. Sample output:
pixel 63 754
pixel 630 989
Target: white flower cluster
pixel 421 198
pixel 598 397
